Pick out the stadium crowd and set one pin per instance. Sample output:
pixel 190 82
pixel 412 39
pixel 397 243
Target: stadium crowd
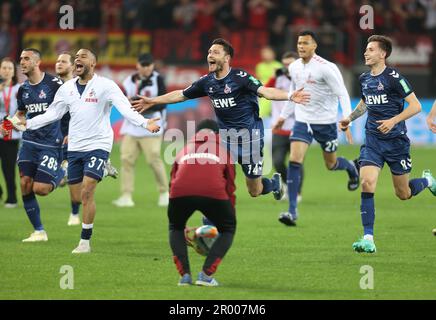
pixel 414 16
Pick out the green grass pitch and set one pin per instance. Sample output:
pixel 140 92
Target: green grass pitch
pixel 131 258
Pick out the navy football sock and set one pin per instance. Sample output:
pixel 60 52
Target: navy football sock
pixel 417 185
pixel 267 185
pixel 86 231
pixel 344 164
pixel 293 181
pixel 367 211
pixel 75 206
pixel 32 209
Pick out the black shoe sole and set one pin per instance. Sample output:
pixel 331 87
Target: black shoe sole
pixel 353 186
pixel 288 222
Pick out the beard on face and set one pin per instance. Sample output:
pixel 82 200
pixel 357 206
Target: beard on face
pixel 218 66
pixel 85 71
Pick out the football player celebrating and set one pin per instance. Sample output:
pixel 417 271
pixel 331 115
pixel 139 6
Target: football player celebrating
pixel 39 155
pixel 317 120
pixel 384 91
pixel 89 99
pixel 233 93
pixel 64 69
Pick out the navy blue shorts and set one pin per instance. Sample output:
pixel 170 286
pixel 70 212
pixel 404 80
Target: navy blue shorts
pixel 41 163
pixel 90 164
pixel 395 152
pixel 64 152
pixel 325 134
pixel 249 155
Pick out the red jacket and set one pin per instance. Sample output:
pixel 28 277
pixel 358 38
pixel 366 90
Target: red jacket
pixel 203 168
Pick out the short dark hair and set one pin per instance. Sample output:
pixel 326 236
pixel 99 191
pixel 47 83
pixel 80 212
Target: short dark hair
pixel 35 51
pixel 145 59
pixel 308 33
pixel 68 53
pixel 208 124
pixel 225 44
pixel 290 54
pixel 14 77
pixel 385 43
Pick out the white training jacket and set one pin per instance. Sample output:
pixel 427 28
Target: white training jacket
pixel 90 127
pixel 323 80
pixel 131 88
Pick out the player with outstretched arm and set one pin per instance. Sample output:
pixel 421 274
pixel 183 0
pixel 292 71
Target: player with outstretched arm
pixel 89 99
pixel 233 93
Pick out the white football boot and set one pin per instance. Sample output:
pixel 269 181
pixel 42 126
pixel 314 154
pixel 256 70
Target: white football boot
pixel 164 199
pixel 37 236
pixel 74 220
pixel 83 247
pixel 124 201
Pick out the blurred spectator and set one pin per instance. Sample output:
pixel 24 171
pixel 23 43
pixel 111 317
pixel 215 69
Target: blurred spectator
pixel 205 19
pixel 87 14
pixel 277 34
pixel 5 40
pixel 9 146
pixel 161 14
pixel 224 14
pixel 265 70
pixel 258 13
pixel 129 17
pixel 430 24
pixel 184 14
pixel 111 19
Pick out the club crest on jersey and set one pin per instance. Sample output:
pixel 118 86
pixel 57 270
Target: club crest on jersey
pixel 227 89
pixel 210 90
pixel 380 86
pixel 26 95
pixel 91 97
pixel 42 95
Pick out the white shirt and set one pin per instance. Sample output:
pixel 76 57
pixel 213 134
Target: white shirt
pixel 283 83
pixel 323 80
pixel 90 127
pixel 131 87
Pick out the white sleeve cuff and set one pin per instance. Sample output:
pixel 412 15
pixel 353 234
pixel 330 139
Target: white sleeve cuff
pixel 145 124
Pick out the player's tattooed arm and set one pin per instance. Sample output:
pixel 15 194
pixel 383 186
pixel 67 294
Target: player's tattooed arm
pixel 357 112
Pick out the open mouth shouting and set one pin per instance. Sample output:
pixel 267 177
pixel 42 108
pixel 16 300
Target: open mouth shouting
pixel 79 67
pixel 212 64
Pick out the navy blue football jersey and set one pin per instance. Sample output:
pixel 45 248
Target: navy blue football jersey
pixel 384 96
pixel 34 100
pixel 233 97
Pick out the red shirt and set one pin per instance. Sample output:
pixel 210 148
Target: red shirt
pixel 203 168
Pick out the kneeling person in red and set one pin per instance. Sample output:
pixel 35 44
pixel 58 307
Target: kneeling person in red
pixel 202 178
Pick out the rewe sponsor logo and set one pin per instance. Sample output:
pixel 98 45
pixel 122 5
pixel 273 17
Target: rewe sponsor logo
pixel 37 107
pixel 224 103
pixel 378 99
